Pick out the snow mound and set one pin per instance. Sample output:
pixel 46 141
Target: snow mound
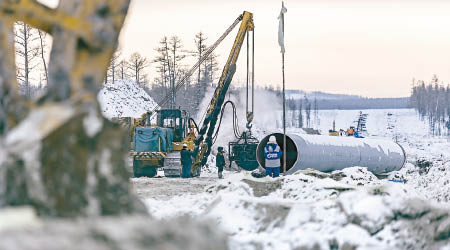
pixel 349 209
pixel 124 98
pixel 313 210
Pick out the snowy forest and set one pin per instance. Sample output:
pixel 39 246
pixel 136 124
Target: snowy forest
pixel 32 59
pixel 432 102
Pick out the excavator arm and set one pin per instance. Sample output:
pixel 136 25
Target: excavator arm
pixel 203 144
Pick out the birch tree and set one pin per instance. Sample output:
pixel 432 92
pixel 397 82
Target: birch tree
pixel 113 66
pixel 137 64
pixel 123 69
pixel 26 51
pixel 175 56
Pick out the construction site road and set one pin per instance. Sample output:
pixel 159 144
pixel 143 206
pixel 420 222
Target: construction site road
pixel 166 188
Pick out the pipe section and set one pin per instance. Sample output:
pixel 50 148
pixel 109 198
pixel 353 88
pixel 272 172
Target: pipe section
pixel 329 153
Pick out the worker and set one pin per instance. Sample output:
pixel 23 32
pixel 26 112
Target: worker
pixel 186 162
pixel 220 161
pixel 272 154
pixel 350 131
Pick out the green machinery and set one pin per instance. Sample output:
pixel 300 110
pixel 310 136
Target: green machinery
pixel 153 146
pixel 164 151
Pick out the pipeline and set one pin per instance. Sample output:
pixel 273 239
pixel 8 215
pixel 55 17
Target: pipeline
pixel 329 153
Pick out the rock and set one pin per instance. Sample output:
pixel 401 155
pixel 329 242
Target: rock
pixel 263 187
pixel 67 161
pixel 412 222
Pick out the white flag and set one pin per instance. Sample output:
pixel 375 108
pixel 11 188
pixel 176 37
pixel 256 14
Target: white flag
pixel 281 27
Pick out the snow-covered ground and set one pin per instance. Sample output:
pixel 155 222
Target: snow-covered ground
pixel 124 98
pixel 349 209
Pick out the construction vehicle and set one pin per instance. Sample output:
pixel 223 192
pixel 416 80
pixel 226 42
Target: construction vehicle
pixel 154 146
pixel 333 132
pixel 158 146
pixel 357 131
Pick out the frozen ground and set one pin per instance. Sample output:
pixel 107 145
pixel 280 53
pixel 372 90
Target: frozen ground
pixel 350 209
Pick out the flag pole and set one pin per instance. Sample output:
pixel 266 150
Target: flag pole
pixel 284 97
pixel 284 118
pixel 281 43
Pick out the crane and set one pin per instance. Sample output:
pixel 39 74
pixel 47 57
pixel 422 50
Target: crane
pixel 146 157
pixel 203 144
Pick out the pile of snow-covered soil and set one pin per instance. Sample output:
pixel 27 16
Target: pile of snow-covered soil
pixel 124 98
pixel 428 157
pixel 350 209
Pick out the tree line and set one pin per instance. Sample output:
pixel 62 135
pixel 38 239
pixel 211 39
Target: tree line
pixel 300 113
pixel 169 63
pixel 361 103
pixel 432 102
pixel 170 66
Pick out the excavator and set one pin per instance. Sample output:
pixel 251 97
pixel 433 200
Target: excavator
pixel 156 146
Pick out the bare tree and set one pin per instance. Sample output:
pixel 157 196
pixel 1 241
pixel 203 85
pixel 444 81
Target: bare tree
pixel 113 65
pixel 432 101
pixel 200 47
pixel 137 64
pixel 308 112
pixel 123 69
pixel 212 67
pixel 27 51
pixel 316 113
pixel 175 56
pixel 163 67
pixel 300 114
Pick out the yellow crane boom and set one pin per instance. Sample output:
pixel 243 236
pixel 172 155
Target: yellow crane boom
pixel 203 145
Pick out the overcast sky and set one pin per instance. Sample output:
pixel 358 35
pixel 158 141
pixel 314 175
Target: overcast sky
pixel 367 47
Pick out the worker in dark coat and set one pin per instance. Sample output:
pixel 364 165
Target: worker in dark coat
pixel 272 154
pixel 220 161
pixel 186 162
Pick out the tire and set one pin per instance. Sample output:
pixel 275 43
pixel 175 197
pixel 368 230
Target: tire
pixel 136 170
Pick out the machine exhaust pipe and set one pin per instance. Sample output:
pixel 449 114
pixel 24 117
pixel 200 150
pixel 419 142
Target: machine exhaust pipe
pixel 329 153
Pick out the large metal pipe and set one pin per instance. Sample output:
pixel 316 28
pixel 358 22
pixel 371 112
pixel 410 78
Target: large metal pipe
pixel 328 153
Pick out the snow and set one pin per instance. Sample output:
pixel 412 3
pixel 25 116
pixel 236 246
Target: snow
pixel 92 123
pixel 11 218
pixel 346 209
pixel 351 208
pixel 124 98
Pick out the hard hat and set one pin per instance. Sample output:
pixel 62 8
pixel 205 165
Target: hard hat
pixel 272 139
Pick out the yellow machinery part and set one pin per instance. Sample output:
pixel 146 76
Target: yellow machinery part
pixel 334 133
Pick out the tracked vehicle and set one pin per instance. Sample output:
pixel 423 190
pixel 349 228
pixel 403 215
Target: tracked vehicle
pixel 158 146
